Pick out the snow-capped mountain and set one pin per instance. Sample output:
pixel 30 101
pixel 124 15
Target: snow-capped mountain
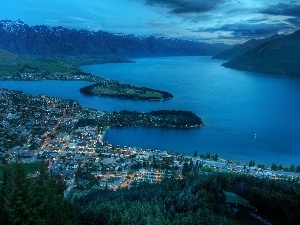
pixel 18 37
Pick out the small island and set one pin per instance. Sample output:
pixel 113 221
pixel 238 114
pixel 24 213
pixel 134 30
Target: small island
pixel 114 89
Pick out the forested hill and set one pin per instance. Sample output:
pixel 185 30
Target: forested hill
pixel 241 49
pixel 280 56
pixel 17 37
pixel 198 198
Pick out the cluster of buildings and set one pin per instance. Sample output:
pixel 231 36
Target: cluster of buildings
pixel 60 132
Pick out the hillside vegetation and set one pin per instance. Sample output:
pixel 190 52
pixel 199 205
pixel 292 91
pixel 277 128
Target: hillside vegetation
pixel 14 67
pixel 241 49
pixel 196 199
pixel 280 56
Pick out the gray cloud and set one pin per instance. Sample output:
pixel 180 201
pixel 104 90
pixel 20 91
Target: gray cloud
pixel 246 30
pixel 186 6
pixel 295 21
pixel 283 10
pixel 256 20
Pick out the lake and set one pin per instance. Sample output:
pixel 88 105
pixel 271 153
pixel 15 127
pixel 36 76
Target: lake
pixel 247 115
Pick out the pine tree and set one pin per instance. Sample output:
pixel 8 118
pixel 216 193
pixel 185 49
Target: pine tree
pixel 251 163
pixel 3 212
pixel 292 168
pixel 185 169
pixel 216 157
pixel 33 200
pixel 19 199
pixel 207 156
pixel 195 153
pixel 274 167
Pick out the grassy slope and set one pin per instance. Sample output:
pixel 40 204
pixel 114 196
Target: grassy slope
pixel 15 65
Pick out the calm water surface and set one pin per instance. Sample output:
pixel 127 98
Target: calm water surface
pixel 234 105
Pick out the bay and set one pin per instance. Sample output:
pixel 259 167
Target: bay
pixel 247 116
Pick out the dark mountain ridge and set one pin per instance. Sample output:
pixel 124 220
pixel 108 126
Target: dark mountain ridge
pixel 241 49
pixel 280 56
pixel 17 37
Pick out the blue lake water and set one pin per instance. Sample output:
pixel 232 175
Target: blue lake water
pixel 234 105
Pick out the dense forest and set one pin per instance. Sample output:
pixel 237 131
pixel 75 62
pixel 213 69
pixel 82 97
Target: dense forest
pixel 155 118
pixel 197 198
pixel 33 200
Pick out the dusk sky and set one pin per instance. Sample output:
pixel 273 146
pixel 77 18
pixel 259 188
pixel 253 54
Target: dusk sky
pixel 229 21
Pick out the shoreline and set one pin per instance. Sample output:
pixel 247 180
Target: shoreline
pixel 221 158
pixel 213 149
pixel 104 133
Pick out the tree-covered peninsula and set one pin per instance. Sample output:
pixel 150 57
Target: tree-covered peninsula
pixel 157 118
pixel 109 88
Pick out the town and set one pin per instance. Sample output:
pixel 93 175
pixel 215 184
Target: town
pixel 70 139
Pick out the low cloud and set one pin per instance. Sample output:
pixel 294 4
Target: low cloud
pixel 244 30
pixel 186 6
pixel 256 20
pixel 294 21
pixel 283 10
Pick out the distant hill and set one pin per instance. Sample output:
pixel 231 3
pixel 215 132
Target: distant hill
pixel 14 67
pixel 280 56
pixel 19 38
pixel 241 49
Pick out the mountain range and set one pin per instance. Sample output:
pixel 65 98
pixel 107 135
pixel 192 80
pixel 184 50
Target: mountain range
pixel 20 38
pixel 279 56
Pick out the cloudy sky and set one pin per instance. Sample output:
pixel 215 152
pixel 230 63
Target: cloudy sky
pixel 229 21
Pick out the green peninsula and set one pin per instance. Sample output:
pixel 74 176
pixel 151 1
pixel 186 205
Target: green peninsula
pixel 114 89
pixel 157 118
